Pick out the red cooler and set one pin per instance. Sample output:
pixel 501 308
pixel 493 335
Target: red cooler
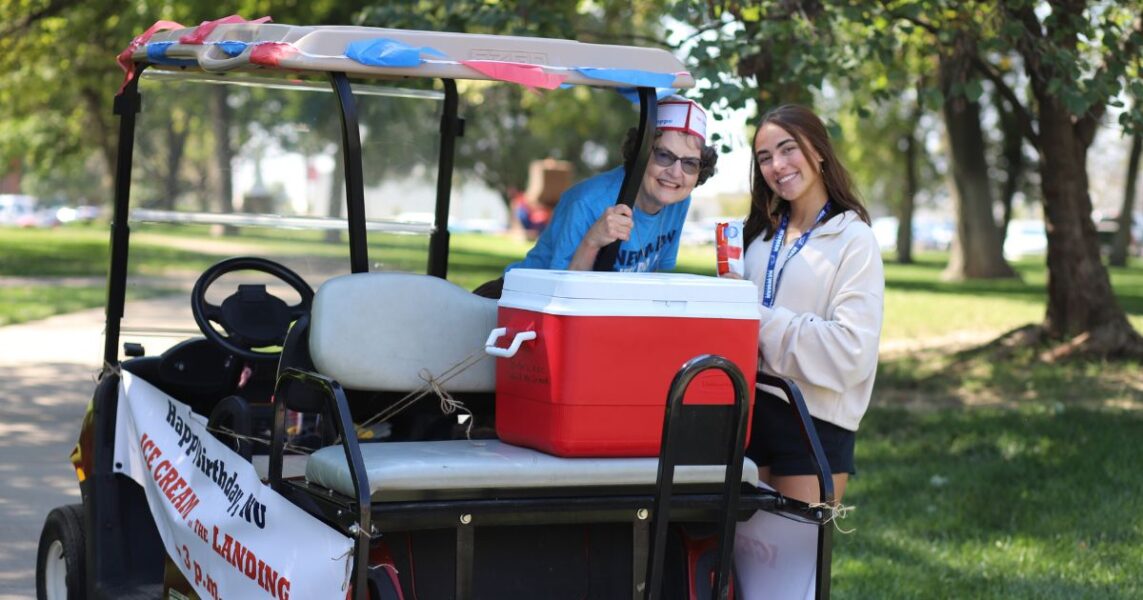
pixel 587 358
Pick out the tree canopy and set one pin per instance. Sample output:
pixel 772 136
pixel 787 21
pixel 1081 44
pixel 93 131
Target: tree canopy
pixel 1056 71
pixel 1058 66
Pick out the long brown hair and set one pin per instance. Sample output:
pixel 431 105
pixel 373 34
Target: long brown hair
pixel 766 207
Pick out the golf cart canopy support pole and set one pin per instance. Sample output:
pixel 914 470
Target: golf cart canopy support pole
pixel 127 105
pixel 452 127
pixel 354 182
pixel 633 170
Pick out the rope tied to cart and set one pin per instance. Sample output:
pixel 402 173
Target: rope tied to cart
pixel 835 511
pixel 433 384
pixel 449 405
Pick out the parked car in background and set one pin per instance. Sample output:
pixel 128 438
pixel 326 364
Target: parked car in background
pixel 1107 227
pixel 701 232
pixel 15 209
pixel 928 233
pixel 78 214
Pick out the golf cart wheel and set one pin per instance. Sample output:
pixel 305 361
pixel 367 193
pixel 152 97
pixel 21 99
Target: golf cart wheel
pixel 60 559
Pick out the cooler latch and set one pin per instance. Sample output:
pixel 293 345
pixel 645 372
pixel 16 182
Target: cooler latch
pixel 491 348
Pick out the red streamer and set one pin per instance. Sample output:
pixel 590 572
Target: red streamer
pixel 124 57
pixel 204 29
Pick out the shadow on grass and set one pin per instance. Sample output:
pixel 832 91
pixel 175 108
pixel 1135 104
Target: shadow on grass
pixel 1033 503
pixel 992 375
pixel 924 275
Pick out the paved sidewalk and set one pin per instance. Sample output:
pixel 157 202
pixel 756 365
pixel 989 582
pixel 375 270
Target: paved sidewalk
pixel 48 370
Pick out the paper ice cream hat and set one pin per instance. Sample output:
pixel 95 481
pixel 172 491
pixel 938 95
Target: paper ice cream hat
pixel 679 114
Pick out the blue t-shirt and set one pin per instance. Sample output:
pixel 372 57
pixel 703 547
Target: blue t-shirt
pixel 654 242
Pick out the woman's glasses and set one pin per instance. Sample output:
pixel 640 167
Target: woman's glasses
pixel 666 158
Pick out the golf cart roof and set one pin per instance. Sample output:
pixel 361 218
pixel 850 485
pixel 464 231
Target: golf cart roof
pixel 373 52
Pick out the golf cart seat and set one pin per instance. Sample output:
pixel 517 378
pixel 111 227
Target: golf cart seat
pixel 390 331
pixel 392 341
pixel 458 469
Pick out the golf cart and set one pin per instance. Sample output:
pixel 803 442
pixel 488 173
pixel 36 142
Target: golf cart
pixel 340 445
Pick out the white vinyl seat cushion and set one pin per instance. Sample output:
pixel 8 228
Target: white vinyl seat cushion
pixel 459 465
pixel 378 331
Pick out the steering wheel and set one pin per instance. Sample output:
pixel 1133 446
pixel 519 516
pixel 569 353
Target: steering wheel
pixel 251 317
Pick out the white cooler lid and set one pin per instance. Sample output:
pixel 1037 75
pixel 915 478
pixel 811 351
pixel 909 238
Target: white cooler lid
pixel 619 294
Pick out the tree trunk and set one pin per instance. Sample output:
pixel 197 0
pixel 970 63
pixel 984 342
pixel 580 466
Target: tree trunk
pixel 223 155
pixel 1014 162
pixel 1122 241
pixel 335 207
pixel 176 143
pixel 976 252
pixel 106 134
pixel 908 200
pixel 1080 301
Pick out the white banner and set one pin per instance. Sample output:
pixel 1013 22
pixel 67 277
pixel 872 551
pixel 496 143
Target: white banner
pixel 776 557
pixel 230 534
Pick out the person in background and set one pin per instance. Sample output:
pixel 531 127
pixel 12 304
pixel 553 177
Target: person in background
pixel 586 219
pixel 547 179
pixel 821 284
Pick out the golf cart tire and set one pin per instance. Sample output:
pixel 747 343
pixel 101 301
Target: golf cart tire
pixel 60 560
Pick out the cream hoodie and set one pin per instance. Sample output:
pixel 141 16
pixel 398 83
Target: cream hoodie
pixel 825 325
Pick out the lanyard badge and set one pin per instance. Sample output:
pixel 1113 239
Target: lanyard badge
pixel 771 281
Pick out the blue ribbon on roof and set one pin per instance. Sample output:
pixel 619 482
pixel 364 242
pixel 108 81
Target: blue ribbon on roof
pixel 384 52
pixel 232 48
pixel 157 55
pixel 633 77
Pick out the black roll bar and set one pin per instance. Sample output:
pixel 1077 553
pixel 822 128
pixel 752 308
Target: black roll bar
pixel 821 468
pixel 314 391
pixel 633 169
pixel 672 453
pixel 127 105
pixel 452 127
pixel 354 182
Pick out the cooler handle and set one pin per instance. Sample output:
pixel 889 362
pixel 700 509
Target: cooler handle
pixel 491 348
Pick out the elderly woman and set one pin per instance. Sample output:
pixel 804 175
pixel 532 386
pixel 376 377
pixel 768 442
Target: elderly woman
pixel 587 218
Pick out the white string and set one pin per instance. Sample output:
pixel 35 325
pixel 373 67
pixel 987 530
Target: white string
pixel 250 438
pixel 449 405
pixel 433 385
pixel 836 511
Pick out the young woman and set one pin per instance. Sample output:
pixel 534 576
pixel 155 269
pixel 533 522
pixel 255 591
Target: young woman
pixel 821 282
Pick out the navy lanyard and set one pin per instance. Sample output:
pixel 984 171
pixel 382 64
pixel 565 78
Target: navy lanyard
pixel 770 283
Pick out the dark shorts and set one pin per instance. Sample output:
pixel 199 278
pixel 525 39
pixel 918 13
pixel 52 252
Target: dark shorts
pixel 776 440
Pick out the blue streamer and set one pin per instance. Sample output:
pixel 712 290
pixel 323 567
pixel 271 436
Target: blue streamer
pixel 384 52
pixel 632 77
pixel 157 55
pixel 232 48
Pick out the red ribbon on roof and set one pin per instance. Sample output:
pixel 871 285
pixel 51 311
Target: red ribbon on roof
pixel 204 29
pixel 124 57
pixel 526 75
pixel 270 54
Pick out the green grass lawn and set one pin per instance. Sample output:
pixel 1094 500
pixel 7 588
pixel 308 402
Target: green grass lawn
pixel 1034 502
pixel 982 473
